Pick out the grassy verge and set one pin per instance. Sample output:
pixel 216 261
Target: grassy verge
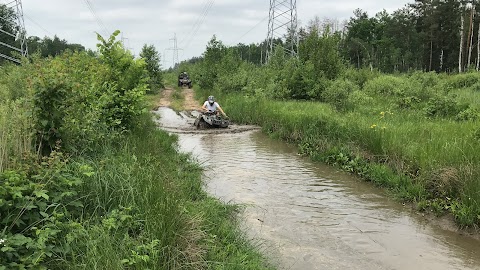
pixel 431 162
pixel 135 203
pixel 162 218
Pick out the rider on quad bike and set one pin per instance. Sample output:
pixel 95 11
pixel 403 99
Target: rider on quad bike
pixel 211 106
pixel 210 117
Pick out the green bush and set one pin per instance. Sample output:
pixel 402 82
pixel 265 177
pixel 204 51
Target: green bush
pixel 37 205
pixel 443 106
pixel 15 131
pixel 469 114
pixel 360 76
pixel 463 80
pixel 78 99
pixel 426 79
pixel 360 98
pixel 14 81
pixel 123 89
pixel 338 94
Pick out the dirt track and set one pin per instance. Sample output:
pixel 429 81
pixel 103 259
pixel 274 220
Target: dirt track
pixel 190 104
pixel 166 98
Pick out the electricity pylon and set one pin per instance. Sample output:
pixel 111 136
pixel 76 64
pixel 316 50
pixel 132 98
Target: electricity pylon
pixel 282 23
pixel 16 40
pixel 175 50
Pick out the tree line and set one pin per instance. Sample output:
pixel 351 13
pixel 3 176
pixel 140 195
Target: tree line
pixel 426 35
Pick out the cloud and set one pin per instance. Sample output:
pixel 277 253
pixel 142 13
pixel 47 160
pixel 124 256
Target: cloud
pixel 157 21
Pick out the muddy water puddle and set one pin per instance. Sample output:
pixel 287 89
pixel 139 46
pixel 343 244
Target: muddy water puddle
pixel 306 215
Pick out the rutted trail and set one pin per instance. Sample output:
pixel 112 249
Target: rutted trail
pixel 190 104
pixel 166 98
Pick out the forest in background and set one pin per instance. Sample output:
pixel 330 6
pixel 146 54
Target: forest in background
pixel 426 35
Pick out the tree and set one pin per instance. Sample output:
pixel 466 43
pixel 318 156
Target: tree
pixel 212 58
pixel 7 24
pixel 152 60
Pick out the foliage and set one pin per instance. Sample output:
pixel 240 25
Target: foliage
pixel 36 207
pixel 7 24
pixel 51 46
pixel 443 106
pixel 338 94
pixel 79 98
pixel 322 52
pixel 15 132
pixel 118 195
pixel 152 60
pixel 210 63
pixel 125 84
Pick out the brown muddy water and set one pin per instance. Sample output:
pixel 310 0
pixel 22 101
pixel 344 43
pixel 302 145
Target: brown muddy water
pixel 306 215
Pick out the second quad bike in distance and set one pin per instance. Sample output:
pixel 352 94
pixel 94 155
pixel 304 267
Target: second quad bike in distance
pixel 184 80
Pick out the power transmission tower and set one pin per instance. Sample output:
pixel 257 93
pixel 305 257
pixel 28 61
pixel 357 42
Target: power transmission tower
pixel 282 23
pixel 126 44
pixel 175 50
pixel 17 40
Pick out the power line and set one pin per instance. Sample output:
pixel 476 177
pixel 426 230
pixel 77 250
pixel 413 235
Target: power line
pixel 197 26
pixel 38 25
pixel 251 29
pixel 197 21
pixel 96 17
pixel 175 50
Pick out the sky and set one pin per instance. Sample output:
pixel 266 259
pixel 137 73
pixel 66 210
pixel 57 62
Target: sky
pixel 156 22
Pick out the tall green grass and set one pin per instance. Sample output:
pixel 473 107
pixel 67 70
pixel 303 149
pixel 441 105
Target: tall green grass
pixel 15 115
pixel 15 132
pixel 163 191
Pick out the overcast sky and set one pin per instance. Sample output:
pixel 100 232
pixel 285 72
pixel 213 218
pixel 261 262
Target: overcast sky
pixel 156 22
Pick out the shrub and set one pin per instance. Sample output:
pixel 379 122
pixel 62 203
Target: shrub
pixel 338 92
pixel 15 131
pixel 125 85
pixel 426 79
pixel 358 97
pixel 78 99
pixel 463 80
pixel 37 204
pixel 443 106
pixel 469 114
pixel 360 76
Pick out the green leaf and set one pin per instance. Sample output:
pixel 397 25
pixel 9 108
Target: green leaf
pixel 42 194
pixel 89 174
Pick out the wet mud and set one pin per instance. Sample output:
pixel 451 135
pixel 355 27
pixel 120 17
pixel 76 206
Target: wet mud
pixel 182 123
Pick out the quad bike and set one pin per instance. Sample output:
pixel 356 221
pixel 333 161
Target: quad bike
pixel 211 120
pixel 184 80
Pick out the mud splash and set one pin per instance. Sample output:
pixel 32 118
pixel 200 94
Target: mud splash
pixel 182 123
pixel 305 215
